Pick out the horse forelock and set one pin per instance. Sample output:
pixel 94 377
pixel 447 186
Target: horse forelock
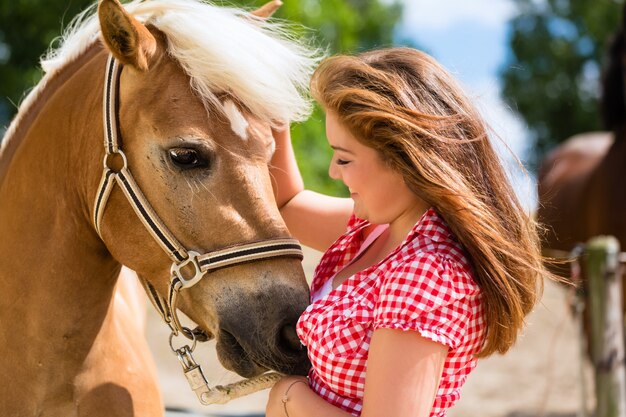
pixel 221 50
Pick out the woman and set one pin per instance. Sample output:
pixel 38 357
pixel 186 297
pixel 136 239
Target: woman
pixel 439 264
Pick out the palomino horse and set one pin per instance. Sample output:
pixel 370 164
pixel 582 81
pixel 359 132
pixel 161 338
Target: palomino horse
pixel 190 92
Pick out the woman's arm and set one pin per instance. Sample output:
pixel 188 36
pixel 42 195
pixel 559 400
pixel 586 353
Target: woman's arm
pixel 301 401
pixel 286 178
pixel 403 373
pixel 315 219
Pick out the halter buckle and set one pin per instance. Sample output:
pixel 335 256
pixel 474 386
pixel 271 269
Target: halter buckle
pixel 197 275
pixel 111 161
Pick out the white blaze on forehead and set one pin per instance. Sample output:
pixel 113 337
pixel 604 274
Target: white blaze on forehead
pixel 238 123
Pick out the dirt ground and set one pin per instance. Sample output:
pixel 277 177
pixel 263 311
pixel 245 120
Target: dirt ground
pixel 539 377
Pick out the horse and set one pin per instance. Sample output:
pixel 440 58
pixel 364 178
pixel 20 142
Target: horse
pixel 147 144
pixel 581 191
pixel 580 183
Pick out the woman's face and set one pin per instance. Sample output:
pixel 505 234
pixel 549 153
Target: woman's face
pixel 380 194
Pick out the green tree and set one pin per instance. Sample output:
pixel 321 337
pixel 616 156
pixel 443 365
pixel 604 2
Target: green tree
pixel 27 27
pixel 552 76
pixel 338 26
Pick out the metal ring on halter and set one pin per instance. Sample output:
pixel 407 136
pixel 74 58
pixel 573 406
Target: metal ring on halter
pixel 113 154
pixel 175 270
pixel 187 332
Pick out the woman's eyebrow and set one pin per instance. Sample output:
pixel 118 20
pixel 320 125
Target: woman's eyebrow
pixel 339 148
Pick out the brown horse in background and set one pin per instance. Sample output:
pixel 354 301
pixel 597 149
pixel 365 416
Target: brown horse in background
pixel 198 92
pixel 582 183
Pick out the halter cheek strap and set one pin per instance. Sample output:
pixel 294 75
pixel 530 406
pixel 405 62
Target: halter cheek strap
pixel 123 177
pixel 182 259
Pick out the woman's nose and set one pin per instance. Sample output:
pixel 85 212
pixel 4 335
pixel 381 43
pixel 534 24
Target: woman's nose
pixel 333 171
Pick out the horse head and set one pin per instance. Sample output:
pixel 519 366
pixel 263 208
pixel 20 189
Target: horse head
pixel 197 138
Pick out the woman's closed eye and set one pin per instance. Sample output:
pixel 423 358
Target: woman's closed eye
pixel 342 161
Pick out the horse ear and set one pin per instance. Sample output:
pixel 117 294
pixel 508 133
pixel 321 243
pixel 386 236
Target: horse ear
pixel 129 41
pixel 267 9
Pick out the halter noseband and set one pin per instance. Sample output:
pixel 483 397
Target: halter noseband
pixel 181 257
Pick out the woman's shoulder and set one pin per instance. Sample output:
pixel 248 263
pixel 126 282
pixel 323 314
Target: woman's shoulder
pixel 430 260
pixel 432 239
pixel 433 267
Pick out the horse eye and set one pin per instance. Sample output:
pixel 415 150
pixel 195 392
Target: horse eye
pixel 187 158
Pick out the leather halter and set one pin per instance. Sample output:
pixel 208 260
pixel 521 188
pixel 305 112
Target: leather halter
pixel 181 257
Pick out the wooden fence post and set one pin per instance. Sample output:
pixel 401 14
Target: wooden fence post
pixel 606 325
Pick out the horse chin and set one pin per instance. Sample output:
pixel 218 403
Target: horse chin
pixel 235 358
pixel 202 335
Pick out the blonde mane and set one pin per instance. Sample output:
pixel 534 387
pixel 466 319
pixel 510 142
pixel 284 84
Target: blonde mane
pixel 221 49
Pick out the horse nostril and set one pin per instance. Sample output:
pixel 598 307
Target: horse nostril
pixel 288 339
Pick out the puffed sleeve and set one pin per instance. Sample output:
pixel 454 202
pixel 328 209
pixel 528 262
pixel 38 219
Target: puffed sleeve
pixel 429 294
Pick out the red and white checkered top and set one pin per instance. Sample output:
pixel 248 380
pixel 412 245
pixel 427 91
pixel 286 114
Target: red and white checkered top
pixel 424 285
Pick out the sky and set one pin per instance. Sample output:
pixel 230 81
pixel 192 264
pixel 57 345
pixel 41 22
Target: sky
pixel 469 38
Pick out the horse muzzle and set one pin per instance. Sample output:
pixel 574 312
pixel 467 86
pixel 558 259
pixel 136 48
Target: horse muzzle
pixel 257 327
pixel 281 355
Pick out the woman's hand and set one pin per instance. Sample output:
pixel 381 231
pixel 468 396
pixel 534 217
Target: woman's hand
pixel 286 178
pixel 299 401
pixel 305 211
pixel 290 389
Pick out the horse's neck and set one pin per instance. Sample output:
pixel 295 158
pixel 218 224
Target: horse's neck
pixel 56 274
pixel 619 142
pixel 612 162
pixel 34 103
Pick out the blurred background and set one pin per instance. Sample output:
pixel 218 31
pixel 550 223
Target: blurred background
pixel 533 67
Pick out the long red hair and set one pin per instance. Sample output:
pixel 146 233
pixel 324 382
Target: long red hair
pixel 403 104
